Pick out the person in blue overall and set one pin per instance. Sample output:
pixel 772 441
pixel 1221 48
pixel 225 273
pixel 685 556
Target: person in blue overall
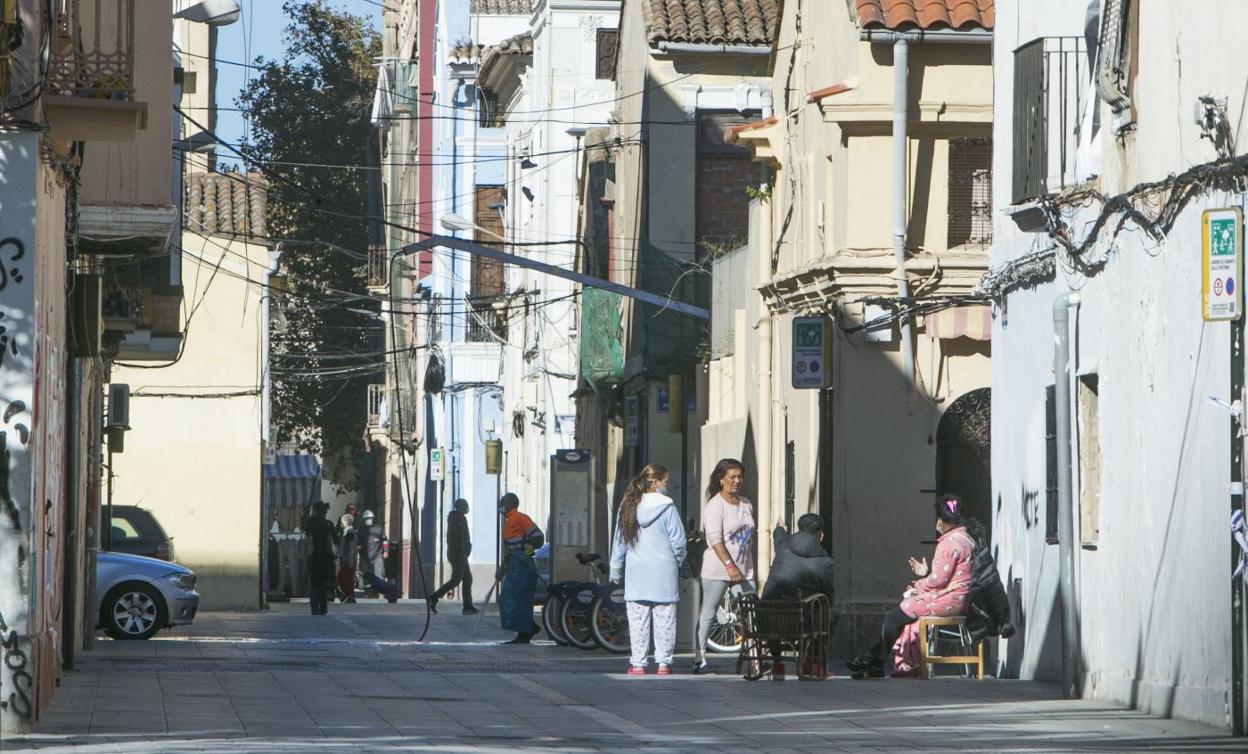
pixel 521 538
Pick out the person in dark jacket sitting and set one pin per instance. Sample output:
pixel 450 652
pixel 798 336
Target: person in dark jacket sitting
pixel 801 566
pixel 988 613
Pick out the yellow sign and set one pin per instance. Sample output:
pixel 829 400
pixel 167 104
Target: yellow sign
pixel 1222 273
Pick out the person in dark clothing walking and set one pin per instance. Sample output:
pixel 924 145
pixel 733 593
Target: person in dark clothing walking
pixel 801 566
pixel 321 558
pixel 458 548
pixel 373 551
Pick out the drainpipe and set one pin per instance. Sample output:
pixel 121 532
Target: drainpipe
pixel 1065 503
pixel 900 173
pixel 764 454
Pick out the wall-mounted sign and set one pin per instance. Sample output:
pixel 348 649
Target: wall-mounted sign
pixel 812 352
pixel 437 464
pixel 1222 247
pixel 631 409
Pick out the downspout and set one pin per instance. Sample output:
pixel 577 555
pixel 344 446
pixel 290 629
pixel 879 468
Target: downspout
pixel 1065 502
pixel 901 115
pixel 764 453
pixel 266 417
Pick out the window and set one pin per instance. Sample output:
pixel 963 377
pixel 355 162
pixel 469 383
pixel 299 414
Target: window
pixel 486 319
pixel 608 40
pixel 970 192
pixel 1089 459
pixel 123 530
pixel 1050 464
pixel 488 115
pixel 1050 87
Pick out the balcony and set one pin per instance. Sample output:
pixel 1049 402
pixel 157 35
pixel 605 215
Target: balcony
pixel 1051 86
pixel 487 319
pixel 90 90
pixel 124 307
pixel 378 268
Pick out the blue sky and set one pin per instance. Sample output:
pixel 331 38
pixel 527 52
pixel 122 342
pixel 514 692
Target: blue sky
pixel 258 32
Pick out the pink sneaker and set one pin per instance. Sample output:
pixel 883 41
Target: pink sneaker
pixel 664 670
pixel 634 670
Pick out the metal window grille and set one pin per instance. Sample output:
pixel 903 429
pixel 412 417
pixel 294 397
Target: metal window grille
pixel 378 274
pixel 608 40
pixel 488 113
pixel 1050 86
pixel 376 405
pixel 970 193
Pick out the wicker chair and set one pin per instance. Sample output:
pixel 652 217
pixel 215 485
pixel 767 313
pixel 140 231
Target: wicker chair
pixel 798 628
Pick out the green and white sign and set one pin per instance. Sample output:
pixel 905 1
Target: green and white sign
pixel 1222 246
pixel 437 464
pixel 812 353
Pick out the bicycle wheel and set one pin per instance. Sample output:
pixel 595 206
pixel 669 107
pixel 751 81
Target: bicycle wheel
pixel 609 622
pixel 727 633
pixel 575 618
pixel 552 619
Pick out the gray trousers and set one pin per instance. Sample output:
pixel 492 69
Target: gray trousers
pixel 712 594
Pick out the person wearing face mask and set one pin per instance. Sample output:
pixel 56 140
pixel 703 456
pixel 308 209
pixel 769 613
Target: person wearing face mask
pixel 647 551
pixel 521 538
pixel 728 520
pixel 942 589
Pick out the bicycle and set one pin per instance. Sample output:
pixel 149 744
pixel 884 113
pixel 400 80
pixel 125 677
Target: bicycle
pixel 727 631
pixel 593 612
pixel 562 593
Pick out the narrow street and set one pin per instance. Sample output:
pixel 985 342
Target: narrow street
pixel 356 681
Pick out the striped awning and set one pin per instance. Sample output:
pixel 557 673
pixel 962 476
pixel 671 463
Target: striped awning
pixel 293 480
pixel 974 322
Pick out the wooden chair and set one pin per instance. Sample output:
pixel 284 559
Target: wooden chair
pixel 953 627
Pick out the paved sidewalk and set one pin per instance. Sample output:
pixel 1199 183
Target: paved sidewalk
pixel 357 681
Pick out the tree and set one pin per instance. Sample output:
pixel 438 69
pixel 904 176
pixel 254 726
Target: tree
pixel 313 106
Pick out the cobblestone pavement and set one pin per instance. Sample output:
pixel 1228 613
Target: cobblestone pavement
pixel 357 681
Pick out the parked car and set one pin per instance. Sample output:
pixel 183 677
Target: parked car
pixel 143 595
pixel 137 532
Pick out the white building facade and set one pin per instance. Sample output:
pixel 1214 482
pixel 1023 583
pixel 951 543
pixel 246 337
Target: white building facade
pixel 1099 248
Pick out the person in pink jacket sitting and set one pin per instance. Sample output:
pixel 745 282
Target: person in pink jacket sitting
pixel 943 589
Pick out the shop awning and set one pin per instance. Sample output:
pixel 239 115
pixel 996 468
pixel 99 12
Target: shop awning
pixel 293 480
pixel 974 322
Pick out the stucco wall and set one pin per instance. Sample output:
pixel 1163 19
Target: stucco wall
pixel 1154 595
pixel 195 462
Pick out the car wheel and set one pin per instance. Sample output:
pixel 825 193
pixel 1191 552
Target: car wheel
pixel 133 611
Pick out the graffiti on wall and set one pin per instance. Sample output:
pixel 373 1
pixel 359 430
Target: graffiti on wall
pixel 21 523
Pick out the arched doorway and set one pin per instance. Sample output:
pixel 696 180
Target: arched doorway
pixel 963 453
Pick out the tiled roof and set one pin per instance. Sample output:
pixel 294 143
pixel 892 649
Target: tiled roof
pixel 501 7
pixel 735 22
pixel 465 52
pixel 227 204
pixel 926 14
pixel 521 44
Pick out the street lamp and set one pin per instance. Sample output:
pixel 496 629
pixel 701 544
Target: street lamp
pixel 211 12
pixel 453 222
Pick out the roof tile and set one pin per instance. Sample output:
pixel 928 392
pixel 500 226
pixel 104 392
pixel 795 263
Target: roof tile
pixel 735 22
pixel 926 14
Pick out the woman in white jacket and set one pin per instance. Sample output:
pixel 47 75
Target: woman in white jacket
pixel 647 551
